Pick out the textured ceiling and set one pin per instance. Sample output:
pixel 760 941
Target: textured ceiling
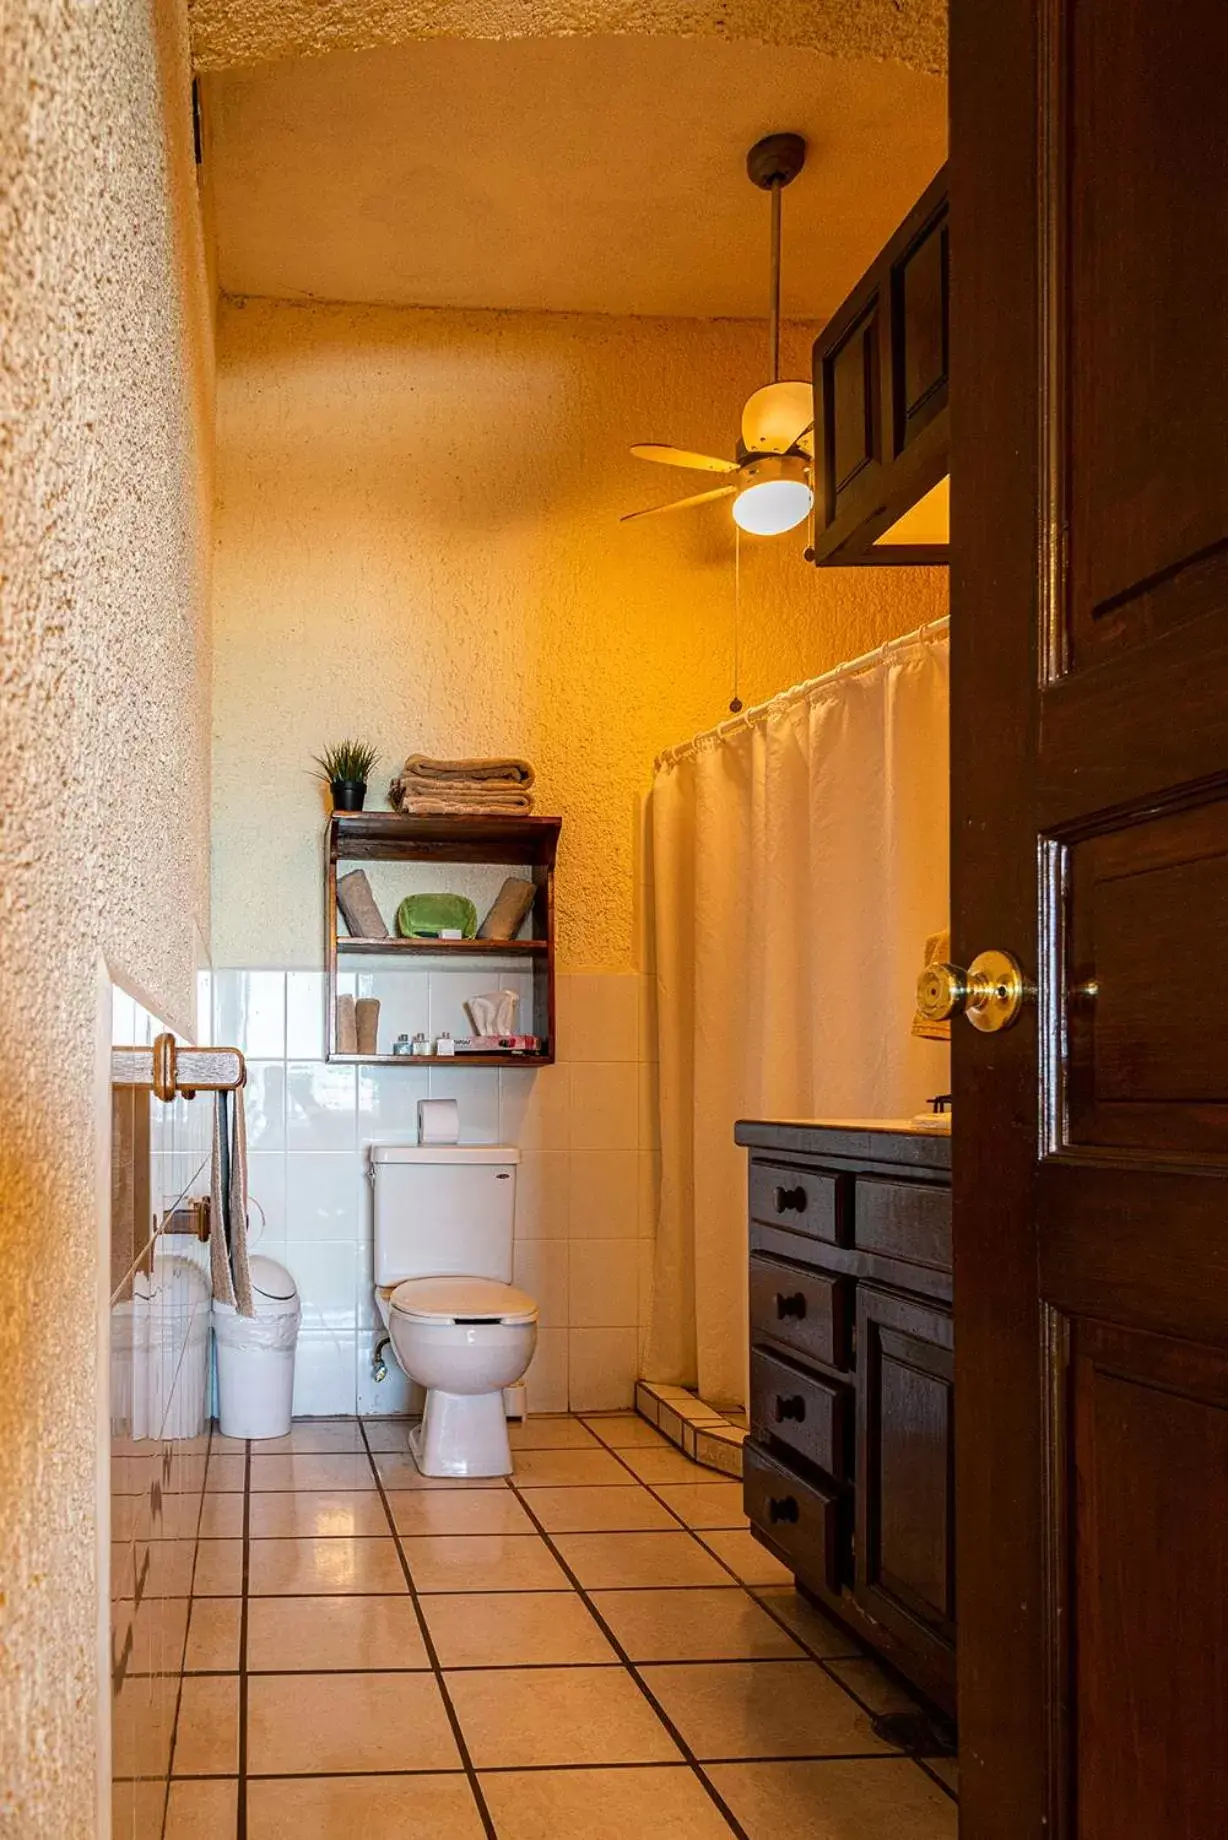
pixel 561 174
pixel 227 32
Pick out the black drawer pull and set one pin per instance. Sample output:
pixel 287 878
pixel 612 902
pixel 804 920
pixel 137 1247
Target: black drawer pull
pixel 790 1306
pixel 790 1200
pixel 790 1407
pixel 782 1508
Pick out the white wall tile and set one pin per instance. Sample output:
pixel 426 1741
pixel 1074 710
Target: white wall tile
pixel 647 1252
pixel 266 1184
pixel 603 1105
pixel 649 1192
pixel 540 1267
pixel 249 1012
pixel 476 1091
pixel 264 1105
pixel 326 1274
pixel 305 1020
pixel 390 1397
pixel 404 1003
pixel 546 1379
pixel 324 1375
pixel 321 1106
pixel 366 1308
pixel 388 1103
pixel 450 989
pixel 204 1008
pixel 648 1128
pixel 535 1107
pixel 543 1197
pixel 123 1018
pixel 324 1196
pixel 604 1284
pixel 647 1048
pixel 601 1369
pixel 604 1194
pixel 598 1016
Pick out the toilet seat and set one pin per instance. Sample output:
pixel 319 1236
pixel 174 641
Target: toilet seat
pixel 462 1300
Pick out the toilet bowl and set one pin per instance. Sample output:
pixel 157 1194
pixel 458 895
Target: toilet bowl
pixel 463 1339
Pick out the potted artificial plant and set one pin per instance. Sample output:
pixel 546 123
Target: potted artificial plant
pixel 346 767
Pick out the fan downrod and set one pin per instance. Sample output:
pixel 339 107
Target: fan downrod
pixel 775 160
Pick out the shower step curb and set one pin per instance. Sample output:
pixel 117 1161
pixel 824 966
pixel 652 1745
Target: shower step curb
pixel 700 1431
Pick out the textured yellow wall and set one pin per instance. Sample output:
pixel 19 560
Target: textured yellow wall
pixel 227 32
pixel 417 540
pixel 104 768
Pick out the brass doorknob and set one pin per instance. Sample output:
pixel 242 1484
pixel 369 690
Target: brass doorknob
pixel 990 992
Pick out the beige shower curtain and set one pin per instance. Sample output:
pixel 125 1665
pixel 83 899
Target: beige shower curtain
pixel 799 860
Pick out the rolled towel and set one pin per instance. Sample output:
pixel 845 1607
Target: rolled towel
pixel 347 1026
pixel 366 1016
pixel 509 772
pixel 511 904
pixel 358 908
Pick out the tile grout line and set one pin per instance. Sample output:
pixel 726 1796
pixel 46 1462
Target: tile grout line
pixel 241 1783
pixel 187 1636
pixel 432 1654
pixel 822 1661
pixel 688 1754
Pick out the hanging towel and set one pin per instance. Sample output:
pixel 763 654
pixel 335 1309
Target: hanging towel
pixel 229 1269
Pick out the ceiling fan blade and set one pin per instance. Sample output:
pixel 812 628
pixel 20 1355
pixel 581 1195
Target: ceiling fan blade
pixel 773 413
pixel 680 504
pixel 678 456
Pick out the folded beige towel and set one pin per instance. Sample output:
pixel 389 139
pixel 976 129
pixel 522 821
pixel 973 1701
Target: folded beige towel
pixel 461 774
pixel 450 801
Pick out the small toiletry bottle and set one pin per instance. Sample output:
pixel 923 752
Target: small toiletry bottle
pixel 420 1044
pixel 445 1044
pixel 402 1045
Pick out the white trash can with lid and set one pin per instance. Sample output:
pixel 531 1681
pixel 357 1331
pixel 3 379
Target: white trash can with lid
pixel 255 1356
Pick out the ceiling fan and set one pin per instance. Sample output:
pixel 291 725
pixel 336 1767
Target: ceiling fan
pixel 770 480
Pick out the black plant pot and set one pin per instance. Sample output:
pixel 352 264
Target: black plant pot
pixel 349 794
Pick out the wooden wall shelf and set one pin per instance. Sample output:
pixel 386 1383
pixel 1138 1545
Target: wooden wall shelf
pixel 461 948
pixel 386 836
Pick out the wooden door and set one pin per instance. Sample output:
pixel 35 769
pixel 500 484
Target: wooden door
pixel 905 1547
pixel 1089 179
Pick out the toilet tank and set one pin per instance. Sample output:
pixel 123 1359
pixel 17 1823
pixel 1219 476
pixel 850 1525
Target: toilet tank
pixel 443 1211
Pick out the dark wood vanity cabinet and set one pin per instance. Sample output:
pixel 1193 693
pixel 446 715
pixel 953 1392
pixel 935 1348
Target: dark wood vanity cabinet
pixel 849 1466
pixel 881 391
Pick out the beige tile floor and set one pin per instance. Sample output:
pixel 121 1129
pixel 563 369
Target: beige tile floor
pixel 596 1648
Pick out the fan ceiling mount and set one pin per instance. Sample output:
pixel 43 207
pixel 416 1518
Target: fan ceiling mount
pixel 769 479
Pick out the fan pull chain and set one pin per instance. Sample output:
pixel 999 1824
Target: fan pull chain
pixel 735 702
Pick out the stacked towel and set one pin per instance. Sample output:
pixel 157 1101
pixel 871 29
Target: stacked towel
pixel 451 787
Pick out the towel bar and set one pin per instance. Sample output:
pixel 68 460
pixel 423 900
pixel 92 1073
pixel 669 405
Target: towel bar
pixel 173 1071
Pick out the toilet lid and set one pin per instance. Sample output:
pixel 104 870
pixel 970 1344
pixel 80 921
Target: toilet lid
pixel 463 1300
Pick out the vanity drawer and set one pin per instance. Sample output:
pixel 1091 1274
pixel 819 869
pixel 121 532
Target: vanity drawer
pixel 810 1415
pixel 802 1309
pixel 803 1200
pixel 806 1522
pixel 905 1220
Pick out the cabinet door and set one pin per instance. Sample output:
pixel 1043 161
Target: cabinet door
pixel 905 1568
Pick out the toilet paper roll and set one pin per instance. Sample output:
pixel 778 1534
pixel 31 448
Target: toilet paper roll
pixel 438 1121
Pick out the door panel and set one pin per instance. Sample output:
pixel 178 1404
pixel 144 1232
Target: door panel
pixel 905 1445
pixel 1150 1630
pixel 1090 837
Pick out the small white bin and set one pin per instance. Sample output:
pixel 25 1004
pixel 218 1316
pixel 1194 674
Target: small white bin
pixel 255 1356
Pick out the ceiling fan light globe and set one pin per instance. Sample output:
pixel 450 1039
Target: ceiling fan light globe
pixel 776 497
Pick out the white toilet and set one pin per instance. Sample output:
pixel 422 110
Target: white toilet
pixel 443 1267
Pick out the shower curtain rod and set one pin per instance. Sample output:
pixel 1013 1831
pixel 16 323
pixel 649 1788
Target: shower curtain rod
pixel 933 629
